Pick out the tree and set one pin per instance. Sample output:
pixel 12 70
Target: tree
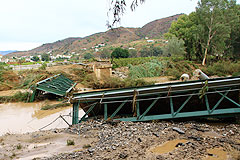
pixel 35 58
pixel 213 25
pixel 120 53
pixel 151 51
pixel 117 9
pixel 185 28
pixel 233 43
pixel 45 57
pixel 133 53
pixel 174 47
pixel 212 30
pixel 88 56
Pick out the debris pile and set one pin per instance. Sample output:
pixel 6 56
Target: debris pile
pixel 128 140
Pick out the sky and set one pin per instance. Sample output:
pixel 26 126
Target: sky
pixel 26 24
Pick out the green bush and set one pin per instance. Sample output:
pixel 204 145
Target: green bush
pixel 17 97
pixel 120 53
pixel 153 68
pixel 222 68
pixel 70 142
pixel 86 146
pixel 19 146
pixel 43 67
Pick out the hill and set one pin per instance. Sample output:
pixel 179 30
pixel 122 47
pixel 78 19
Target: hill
pixel 113 37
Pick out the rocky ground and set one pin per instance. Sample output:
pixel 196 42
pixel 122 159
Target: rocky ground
pixel 156 140
pixel 101 140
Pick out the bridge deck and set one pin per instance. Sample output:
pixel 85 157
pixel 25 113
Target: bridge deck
pixel 165 101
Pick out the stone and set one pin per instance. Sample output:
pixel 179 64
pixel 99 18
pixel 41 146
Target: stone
pixel 180 144
pixel 178 130
pixel 160 157
pixel 123 155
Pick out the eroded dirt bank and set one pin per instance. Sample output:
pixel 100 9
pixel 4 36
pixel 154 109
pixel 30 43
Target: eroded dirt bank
pixel 127 140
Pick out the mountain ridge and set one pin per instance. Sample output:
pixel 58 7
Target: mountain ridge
pixel 121 35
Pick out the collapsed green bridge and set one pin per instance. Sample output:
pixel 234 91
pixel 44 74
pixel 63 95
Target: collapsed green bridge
pixel 201 98
pixel 57 85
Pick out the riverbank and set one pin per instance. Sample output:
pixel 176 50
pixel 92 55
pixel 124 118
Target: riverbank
pixel 128 140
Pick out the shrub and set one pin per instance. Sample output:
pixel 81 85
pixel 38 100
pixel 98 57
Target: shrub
pixel 17 97
pixel 222 68
pixel 70 142
pixel 19 146
pixel 120 53
pixel 43 67
pixel 86 146
pixel 153 68
pixel 88 56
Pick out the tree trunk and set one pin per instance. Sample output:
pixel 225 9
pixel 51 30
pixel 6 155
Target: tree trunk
pixel 208 44
pixel 205 53
pixel 210 36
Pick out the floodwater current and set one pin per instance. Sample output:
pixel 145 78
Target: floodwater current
pixel 27 117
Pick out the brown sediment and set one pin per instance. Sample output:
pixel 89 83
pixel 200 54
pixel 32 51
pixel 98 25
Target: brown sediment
pixel 211 134
pixel 27 117
pixel 167 146
pixel 216 154
pixel 39 114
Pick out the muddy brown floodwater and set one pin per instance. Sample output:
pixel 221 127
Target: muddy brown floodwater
pixel 27 117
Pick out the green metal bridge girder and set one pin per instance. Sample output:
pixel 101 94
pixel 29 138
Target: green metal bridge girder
pixel 58 85
pixel 113 101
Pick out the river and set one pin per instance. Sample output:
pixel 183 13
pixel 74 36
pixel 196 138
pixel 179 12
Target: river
pixel 27 117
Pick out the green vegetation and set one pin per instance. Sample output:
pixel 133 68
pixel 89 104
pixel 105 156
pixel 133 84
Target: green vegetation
pixel 88 56
pixel 86 146
pixel 70 142
pixel 19 146
pixel 54 106
pixel 43 67
pixel 123 62
pixel 153 68
pixel 223 68
pixel 35 58
pixel 17 97
pixel 45 57
pixel 162 67
pixel 149 51
pixel 30 79
pixel 213 29
pixel 174 47
pixel 120 53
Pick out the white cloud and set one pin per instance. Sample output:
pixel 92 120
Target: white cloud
pixel 20 46
pixel 45 21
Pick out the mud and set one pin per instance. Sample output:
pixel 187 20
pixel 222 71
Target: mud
pixel 27 117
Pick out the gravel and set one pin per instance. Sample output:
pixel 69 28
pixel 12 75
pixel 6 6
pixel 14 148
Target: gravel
pixel 129 140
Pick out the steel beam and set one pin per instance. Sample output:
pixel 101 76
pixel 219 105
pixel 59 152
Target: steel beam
pixel 220 100
pixel 89 110
pixel 207 104
pixel 105 111
pixel 179 109
pixel 184 115
pixel 75 113
pixel 148 109
pixel 118 109
pixel 229 99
